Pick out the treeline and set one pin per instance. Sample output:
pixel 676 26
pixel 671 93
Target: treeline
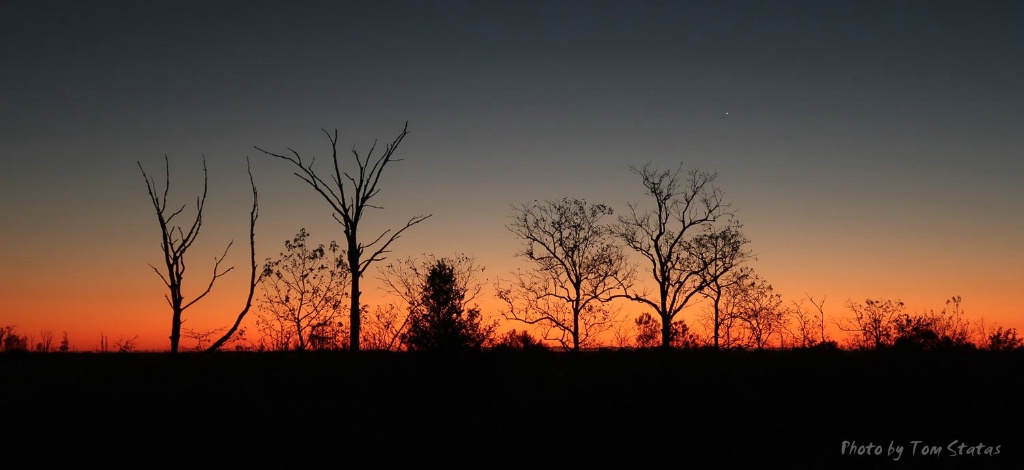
pixel 682 247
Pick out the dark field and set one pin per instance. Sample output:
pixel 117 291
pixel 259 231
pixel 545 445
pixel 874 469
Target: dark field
pixel 688 409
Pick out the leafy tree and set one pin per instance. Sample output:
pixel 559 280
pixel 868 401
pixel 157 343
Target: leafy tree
pixel 11 341
pixel 349 207
pixel 664 235
pixel 578 266
pixel 303 291
pixel 439 320
pixel 175 242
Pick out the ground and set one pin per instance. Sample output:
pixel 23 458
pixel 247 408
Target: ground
pixel 822 409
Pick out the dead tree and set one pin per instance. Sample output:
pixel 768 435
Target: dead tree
pixel 175 242
pixel 349 206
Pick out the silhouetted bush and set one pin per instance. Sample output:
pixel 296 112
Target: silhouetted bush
pixel 520 341
pixel 1004 340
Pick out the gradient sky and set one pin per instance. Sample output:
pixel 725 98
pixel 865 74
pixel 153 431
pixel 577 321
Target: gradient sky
pixel 871 149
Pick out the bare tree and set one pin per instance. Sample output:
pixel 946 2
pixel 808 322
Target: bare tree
pixel 809 330
pixel 175 242
pixel 349 208
pixel 664 235
pixel 578 267
pixel 45 341
pixel 761 310
pixel 720 252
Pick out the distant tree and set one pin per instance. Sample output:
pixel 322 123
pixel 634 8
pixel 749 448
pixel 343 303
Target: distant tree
pixel 1004 340
pixel 11 341
pixel 945 329
pixel 519 341
pixel 65 346
pixel 439 319
pixel 664 236
pixel 761 310
pixel 302 295
pixel 721 252
pixel 349 206
pixel 578 266
pixel 175 242
pixel 809 328
pixel 45 341
pixel 873 323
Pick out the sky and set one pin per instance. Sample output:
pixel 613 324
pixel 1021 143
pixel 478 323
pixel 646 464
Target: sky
pixel 871 149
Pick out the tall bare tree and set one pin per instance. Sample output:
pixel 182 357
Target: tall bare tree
pixel 664 237
pixel 349 206
pixel 175 242
pixel 578 268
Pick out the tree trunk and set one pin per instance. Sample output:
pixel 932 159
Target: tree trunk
pixel 576 332
pixel 666 332
pixel 718 299
pixel 175 329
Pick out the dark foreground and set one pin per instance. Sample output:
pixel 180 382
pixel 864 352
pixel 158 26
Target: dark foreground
pixel 679 410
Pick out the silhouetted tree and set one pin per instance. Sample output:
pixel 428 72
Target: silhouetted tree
pixel 578 267
pixel 303 291
pixel 45 341
pixel 760 309
pixel 65 346
pixel 664 236
pixel 349 207
pixel 175 242
pixel 722 252
pixel 945 329
pixel 1004 340
pixel 872 323
pixel 439 320
pixel 648 333
pixel 11 341
pixel 809 330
